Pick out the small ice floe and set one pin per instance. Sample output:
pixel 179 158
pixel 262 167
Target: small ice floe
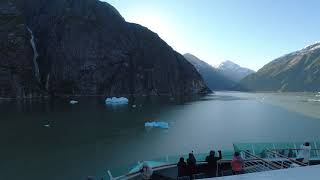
pixel 314 100
pixel 73 102
pixel 134 106
pixel 116 101
pixel 162 125
pixel 47 125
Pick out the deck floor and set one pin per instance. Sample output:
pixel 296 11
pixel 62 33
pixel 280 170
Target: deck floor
pixel 299 173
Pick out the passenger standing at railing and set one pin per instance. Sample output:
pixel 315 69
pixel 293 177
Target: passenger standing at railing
pixel 304 153
pixel 212 161
pixel 191 165
pixel 146 171
pixel 182 168
pixel 237 164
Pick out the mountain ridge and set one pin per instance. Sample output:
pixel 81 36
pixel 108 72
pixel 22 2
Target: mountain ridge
pixel 296 71
pixel 233 71
pixel 86 47
pixel 211 76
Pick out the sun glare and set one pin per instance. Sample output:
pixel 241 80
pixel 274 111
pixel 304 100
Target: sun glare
pixel 157 24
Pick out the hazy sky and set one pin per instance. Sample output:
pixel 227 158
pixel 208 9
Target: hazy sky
pixel 248 32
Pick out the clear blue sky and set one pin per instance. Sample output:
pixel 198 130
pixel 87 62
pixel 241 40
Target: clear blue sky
pixel 248 32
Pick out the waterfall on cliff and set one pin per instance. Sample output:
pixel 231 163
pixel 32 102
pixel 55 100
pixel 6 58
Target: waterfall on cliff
pixel 35 55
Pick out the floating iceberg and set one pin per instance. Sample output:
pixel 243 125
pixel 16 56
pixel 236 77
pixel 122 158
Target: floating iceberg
pixel 73 102
pixel 314 100
pixel 163 125
pixel 114 100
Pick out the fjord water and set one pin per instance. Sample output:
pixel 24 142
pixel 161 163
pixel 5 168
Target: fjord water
pixel 55 140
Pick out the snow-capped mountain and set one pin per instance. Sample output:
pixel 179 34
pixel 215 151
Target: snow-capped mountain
pixel 310 48
pixel 233 71
pixel 297 71
pixel 213 79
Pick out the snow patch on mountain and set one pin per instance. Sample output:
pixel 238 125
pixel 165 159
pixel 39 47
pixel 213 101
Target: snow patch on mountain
pixel 233 71
pixel 306 49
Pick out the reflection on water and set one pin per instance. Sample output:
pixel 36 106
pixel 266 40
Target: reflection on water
pixel 56 140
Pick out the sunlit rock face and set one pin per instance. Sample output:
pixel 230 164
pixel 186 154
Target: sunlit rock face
pixel 85 47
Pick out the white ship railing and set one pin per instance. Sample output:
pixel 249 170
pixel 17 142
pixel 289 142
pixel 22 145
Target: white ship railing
pixel 291 162
pixel 136 174
pixel 252 162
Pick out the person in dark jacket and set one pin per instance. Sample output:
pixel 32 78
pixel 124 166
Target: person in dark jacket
pixel 212 163
pixel 191 165
pixel 182 167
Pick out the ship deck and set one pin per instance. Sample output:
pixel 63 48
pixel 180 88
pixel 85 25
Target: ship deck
pixel 299 173
pixel 261 161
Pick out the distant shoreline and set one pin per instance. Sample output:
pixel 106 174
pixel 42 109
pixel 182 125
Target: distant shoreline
pixel 102 95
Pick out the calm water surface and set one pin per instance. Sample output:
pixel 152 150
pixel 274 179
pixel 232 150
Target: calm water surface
pixel 88 138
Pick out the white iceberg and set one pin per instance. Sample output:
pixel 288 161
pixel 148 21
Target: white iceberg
pixel 163 125
pixel 314 100
pixel 114 100
pixel 73 102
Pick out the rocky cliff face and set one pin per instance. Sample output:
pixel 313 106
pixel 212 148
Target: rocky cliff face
pixel 297 71
pixel 85 47
pixel 16 67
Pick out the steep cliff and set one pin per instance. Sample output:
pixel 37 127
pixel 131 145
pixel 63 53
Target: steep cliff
pixel 85 47
pixel 16 55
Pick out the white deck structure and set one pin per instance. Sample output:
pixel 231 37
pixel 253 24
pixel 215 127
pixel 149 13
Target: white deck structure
pixel 298 173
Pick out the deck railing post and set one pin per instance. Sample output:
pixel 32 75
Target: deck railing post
pixel 253 152
pixel 110 175
pixel 315 146
pixel 297 152
pixel 217 170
